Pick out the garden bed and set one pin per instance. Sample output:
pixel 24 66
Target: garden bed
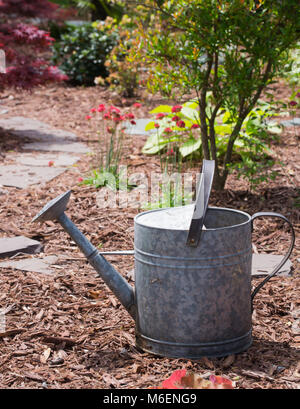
pixel 67 330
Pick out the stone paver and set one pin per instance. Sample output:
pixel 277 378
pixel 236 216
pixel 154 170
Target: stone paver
pixel 139 128
pixel 9 246
pixel 42 159
pixel 57 146
pixel 34 129
pixel 22 176
pixel 35 265
pixel 264 264
pixel 292 122
pixel 33 168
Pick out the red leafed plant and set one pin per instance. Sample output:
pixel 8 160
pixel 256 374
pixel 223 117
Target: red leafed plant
pixel 181 379
pixel 25 44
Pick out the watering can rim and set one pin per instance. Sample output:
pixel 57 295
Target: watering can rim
pixel 249 217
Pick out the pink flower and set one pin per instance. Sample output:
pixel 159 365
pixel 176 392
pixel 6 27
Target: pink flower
pixel 114 109
pixel 160 116
pixel 80 179
pixel 130 116
pixel 195 126
pixel 171 152
pixel 293 103
pixel 176 108
pixel 93 110
pixel 168 130
pixel 176 118
pixel 51 163
pixel 156 125
pixel 298 95
pixel 119 118
pixel 101 108
pixel 106 116
pixel 137 105
pixel 180 124
pixel 88 117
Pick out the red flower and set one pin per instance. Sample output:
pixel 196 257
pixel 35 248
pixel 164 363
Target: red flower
pixel 101 108
pixel 130 116
pixel 119 118
pixel 171 152
pixel 114 109
pixel 293 103
pixel 80 179
pixel 137 105
pixel 51 163
pixel 160 116
pixel 156 125
pixel 133 122
pixel 180 124
pixel 176 108
pixel 88 117
pixel 168 130
pixel 93 110
pixel 174 382
pixel 106 116
pixel 110 129
pixel 176 118
pixel 195 126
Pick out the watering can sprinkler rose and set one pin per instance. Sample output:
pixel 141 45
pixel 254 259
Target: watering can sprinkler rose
pixel 192 294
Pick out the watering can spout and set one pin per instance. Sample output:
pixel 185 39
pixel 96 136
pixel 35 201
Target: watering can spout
pixel 54 210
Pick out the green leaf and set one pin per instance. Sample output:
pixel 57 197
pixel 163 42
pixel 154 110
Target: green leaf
pixel 191 104
pixel 274 128
pixel 190 113
pixel 223 129
pixel 153 145
pixel 189 147
pixel 149 126
pixel 161 108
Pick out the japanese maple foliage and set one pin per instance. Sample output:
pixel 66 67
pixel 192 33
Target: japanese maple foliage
pixel 25 44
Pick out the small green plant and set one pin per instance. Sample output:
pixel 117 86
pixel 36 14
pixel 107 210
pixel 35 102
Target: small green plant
pixel 82 51
pixel 172 193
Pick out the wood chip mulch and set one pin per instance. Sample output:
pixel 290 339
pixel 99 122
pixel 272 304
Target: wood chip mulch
pixel 67 330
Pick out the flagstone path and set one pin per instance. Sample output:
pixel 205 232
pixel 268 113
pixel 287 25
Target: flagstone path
pixel 33 168
pixel 30 169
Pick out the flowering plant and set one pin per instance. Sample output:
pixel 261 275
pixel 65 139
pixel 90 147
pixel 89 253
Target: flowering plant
pixel 177 136
pixel 175 131
pixel 111 124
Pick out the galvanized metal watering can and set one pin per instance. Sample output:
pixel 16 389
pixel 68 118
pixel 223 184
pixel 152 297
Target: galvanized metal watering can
pixel 192 295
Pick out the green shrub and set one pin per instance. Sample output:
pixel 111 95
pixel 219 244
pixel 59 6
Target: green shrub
pixel 82 51
pixel 232 50
pixel 124 68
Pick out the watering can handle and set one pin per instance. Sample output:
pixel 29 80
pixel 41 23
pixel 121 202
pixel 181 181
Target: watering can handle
pixel 205 184
pixel 285 258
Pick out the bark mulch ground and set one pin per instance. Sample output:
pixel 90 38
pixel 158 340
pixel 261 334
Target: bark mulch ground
pixel 67 330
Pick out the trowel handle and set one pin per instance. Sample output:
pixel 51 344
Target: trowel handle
pixel 285 258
